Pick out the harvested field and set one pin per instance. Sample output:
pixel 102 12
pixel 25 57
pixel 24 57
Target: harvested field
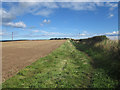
pixel 18 54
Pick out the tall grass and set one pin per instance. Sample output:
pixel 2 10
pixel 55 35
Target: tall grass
pixel 106 60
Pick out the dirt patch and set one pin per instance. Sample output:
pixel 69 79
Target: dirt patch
pixel 18 54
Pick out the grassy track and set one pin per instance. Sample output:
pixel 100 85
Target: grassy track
pixel 66 67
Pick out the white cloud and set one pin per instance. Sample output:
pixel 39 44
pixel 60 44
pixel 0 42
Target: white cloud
pixel 59 34
pixel 50 33
pixel 16 25
pixel 6 16
pixel 46 21
pixel 78 5
pixel 85 33
pixel 110 15
pixel 1 33
pixel 54 34
pixel 82 34
pixel 35 8
pixel 47 8
pixel 60 0
pixel 112 5
pixel 35 31
pixel 44 12
pixel 112 33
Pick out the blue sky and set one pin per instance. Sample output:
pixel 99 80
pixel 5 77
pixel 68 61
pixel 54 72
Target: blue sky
pixel 36 20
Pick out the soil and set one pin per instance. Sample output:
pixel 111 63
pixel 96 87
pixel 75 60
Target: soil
pixel 19 54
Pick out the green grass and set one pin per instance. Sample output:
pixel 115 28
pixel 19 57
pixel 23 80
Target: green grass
pixel 106 61
pixel 66 67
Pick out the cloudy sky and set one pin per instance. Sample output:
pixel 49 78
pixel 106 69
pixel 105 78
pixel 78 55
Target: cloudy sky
pixel 44 20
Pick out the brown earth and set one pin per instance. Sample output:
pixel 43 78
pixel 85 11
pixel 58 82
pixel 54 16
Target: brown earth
pixel 19 54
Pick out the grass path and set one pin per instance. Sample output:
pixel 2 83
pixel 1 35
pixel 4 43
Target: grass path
pixel 66 67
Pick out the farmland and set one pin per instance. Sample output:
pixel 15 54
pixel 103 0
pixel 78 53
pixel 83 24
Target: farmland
pixel 18 54
pixel 85 63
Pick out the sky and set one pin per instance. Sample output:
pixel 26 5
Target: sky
pixel 45 20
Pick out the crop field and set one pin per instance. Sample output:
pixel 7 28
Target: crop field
pixel 18 54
